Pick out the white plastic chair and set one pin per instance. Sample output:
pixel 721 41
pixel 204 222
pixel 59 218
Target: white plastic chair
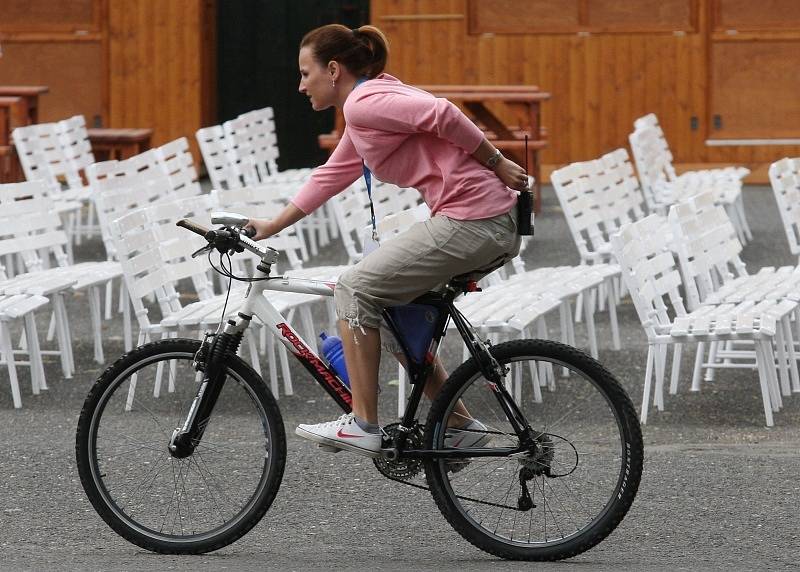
pixel 14 309
pixel 176 161
pixel 784 177
pixel 653 280
pixel 663 187
pixel 713 273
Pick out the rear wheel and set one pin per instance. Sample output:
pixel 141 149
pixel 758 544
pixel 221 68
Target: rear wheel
pixel 166 504
pixel 571 487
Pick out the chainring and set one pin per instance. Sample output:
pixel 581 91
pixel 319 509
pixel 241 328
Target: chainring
pixel 401 469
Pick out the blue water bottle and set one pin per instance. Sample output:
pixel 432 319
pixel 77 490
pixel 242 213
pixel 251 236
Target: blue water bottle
pixel 333 352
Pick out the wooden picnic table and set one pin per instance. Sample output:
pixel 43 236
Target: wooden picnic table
pixel 13 114
pixel 30 94
pixel 522 104
pixel 118 143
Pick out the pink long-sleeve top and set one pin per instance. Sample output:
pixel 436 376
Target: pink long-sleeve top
pixel 410 138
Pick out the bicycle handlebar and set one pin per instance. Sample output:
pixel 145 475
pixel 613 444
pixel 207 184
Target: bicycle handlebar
pixel 193 226
pixel 231 239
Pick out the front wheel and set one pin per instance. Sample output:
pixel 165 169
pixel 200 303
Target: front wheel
pixel 178 505
pixel 574 482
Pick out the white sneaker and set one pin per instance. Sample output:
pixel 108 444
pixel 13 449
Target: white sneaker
pixel 470 436
pixel 344 433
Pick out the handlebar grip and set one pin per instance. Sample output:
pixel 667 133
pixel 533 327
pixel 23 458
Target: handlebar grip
pixel 249 232
pixel 193 226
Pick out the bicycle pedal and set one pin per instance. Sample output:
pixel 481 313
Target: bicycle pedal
pixel 329 449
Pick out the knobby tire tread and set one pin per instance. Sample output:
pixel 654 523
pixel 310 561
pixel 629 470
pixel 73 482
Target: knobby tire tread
pixel 631 431
pixel 264 396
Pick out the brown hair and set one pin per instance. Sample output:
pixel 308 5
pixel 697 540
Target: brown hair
pixel 362 51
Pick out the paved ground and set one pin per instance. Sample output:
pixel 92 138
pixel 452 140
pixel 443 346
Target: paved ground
pixel 720 491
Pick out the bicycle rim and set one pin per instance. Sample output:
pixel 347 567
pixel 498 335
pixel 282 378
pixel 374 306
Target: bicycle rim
pixel 576 475
pixel 192 501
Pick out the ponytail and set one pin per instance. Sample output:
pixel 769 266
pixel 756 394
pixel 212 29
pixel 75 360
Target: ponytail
pixel 362 51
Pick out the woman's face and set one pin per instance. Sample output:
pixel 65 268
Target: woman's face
pixel 315 81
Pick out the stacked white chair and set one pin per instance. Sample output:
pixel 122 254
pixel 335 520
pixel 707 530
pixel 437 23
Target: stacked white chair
pixel 20 309
pixel 663 187
pixel 653 280
pixel 58 153
pixel 784 176
pixel 176 161
pixel 713 273
pixel 39 229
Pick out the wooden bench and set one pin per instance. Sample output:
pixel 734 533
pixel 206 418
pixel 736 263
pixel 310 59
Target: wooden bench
pixel 13 114
pixel 30 94
pixel 116 143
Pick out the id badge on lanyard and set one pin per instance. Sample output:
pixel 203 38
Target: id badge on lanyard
pixel 371 241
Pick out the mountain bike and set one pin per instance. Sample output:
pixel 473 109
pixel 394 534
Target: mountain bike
pixel 181 446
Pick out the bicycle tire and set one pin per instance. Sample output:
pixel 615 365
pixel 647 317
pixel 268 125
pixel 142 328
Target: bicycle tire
pixel 460 505
pixel 111 490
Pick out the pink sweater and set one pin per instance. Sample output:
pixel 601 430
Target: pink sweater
pixel 408 137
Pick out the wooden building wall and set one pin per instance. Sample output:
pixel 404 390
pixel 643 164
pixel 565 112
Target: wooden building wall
pixel 712 70
pixel 137 63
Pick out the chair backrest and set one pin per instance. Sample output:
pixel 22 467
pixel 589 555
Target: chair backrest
pixel 55 152
pixel 650 121
pixel 41 154
pixel 577 189
pixel 251 147
pixel 624 195
pixel 653 163
pixel 264 201
pixel 351 210
pixel 137 248
pixel 707 246
pixel 222 170
pixel 176 245
pixel 37 223
pixel 177 163
pixel 784 177
pixel 650 273
pixel 74 139
pixel 119 187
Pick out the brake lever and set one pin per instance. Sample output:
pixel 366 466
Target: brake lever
pixel 199 251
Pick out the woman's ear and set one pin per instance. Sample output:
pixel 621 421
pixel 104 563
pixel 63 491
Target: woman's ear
pixel 334 70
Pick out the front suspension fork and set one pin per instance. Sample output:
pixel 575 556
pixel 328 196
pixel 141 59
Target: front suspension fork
pixel 185 439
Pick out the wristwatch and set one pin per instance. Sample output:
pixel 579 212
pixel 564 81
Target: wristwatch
pixel 494 159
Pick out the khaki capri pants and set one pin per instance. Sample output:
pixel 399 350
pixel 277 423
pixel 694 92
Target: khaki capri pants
pixel 422 259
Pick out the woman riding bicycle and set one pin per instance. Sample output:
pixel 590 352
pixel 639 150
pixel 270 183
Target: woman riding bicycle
pixel 410 138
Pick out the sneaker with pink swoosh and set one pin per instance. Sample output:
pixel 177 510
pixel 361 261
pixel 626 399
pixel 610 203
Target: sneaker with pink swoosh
pixel 342 434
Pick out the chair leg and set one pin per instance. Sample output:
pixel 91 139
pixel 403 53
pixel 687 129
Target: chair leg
pixel 660 365
pixel 95 311
pixel 783 366
pixel 7 350
pixel 648 378
pixel 698 366
pixel 612 315
pixel 764 363
pixel 34 354
pixel 127 328
pixel 109 298
pixel 713 348
pixel 590 330
pixel 676 368
pixel 792 357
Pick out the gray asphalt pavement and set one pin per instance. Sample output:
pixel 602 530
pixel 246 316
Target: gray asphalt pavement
pixel 719 491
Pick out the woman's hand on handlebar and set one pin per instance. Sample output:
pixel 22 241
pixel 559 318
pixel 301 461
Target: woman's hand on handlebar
pixel 512 175
pixel 264 228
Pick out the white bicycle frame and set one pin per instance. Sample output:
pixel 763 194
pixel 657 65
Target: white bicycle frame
pixel 256 304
